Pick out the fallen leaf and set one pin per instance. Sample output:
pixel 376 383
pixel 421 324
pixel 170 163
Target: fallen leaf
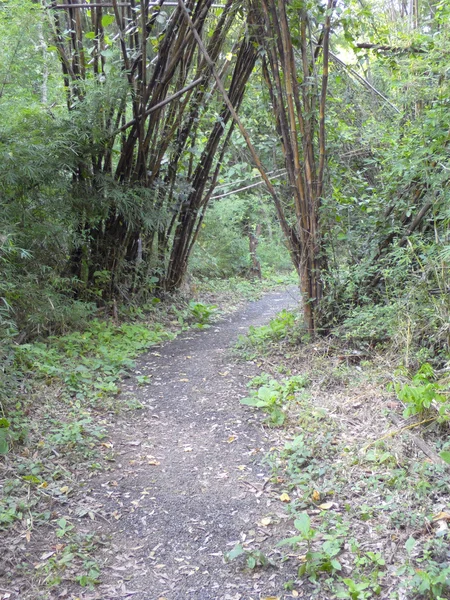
pixel 442 516
pixel 224 374
pixel 184 379
pixel 188 449
pixel 64 489
pixel 285 497
pixel 46 555
pixel 316 496
pixel 326 505
pixel 295 594
pixel 442 528
pixel 270 598
pixel 231 439
pixel 266 521
pixel 28 536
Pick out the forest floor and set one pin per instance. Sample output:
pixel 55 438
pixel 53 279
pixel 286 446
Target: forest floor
pixel 199 489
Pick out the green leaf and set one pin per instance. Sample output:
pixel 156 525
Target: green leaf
pixel 253 402
pixel 409 545
pixel 90 35
pixel 4 423
pixel 107 20
pixel 32 479
pixel 3 446
pixel 335 564
pixel 292 541
pixel 251 562
pixel 237 551
pixel 445 456
pixel 303 524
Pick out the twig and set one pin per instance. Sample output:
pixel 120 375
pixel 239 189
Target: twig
pixel 418 440
pixel 420 443
pixel 390 434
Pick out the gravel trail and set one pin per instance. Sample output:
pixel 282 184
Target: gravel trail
pixel 189 481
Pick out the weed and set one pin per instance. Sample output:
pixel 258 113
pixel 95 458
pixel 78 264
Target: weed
pixel 88 364
pixel 202 313
pixel 71 560
pixel 258 338
pixel 315 561
pixel 422 393
pixel 64 527
pixel 196 314
pixel 361 590
pixel 4 435
pixel 254 558
pixel 273 396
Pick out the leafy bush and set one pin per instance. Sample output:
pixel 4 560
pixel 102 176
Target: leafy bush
pixel 202 313
pixel 279 328
pixel 273 397
pixel 88 363
pixel 422 393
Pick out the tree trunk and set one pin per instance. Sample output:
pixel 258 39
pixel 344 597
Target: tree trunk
pixel 255 269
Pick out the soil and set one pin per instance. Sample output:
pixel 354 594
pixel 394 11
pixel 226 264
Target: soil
pixel 189 481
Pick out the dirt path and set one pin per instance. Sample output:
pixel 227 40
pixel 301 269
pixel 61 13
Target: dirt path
pixel 188 476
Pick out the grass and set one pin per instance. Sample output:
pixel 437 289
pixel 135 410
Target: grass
pixel 58 395
pixel 363 523
pixel 232 293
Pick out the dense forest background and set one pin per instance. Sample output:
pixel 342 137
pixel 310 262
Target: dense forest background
pixel 124 173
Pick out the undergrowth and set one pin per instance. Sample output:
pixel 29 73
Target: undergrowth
pixel 55 397
pixel 367 520
pixel 285 326
pixel 233 291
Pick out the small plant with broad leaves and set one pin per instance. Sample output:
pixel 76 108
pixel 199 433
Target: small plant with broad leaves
pixel 273 397
pixel 202 313
pixel 253 558
pixel 422 393
pixel 433 580
pixel 279 328
pixel 314 561
pixel 4 435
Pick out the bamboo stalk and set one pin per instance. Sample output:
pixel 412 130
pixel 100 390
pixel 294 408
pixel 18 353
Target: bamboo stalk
pixel 160 105
pixel 235 116
pixel 247 187
pixel 323 95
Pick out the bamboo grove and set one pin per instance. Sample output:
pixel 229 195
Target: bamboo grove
pixel 145 103
pixel 150 136
pixel 181 65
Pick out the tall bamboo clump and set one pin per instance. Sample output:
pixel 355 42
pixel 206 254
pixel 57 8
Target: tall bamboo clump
pixel 297 80
pixel 160 138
